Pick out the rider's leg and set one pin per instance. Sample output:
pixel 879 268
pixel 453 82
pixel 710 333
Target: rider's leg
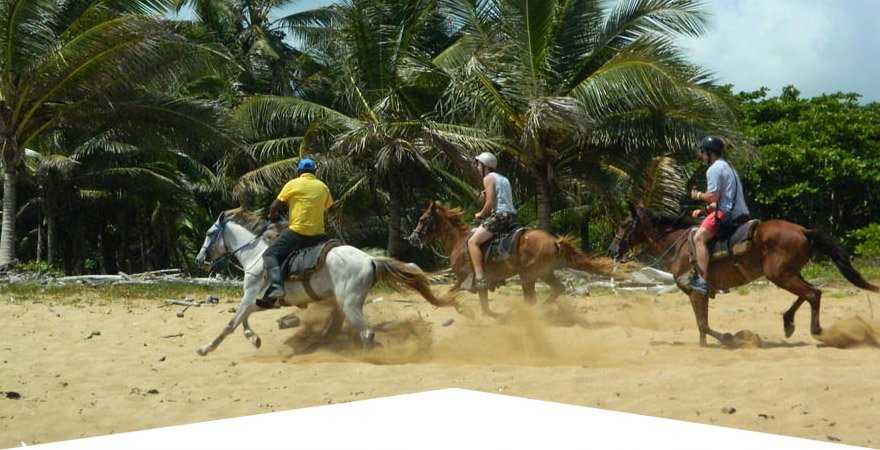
pixel 272 259
pixel 480 236
pixel 701 249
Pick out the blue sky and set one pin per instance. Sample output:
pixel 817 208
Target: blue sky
pixel 819 46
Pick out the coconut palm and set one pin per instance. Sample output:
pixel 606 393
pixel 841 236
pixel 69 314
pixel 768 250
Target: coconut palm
pixel 89 63
pixel 253 31
pixel 581 84
pixel 375 121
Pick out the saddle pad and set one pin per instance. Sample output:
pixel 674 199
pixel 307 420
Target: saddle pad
pixel 303 262
pixel 502 246
pixel 739 242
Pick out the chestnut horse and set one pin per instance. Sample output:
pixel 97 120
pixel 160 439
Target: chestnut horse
pixel 538 254
pixel 779 251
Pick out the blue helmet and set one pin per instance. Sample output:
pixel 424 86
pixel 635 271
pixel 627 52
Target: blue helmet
pixel 306 165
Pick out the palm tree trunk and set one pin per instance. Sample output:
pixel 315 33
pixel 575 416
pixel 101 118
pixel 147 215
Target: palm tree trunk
pixel 396 245
pixel 542 192
pixel 7 235
pixel 51 241
pixel 40 237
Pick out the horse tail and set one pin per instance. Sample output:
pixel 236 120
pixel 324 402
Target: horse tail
pixel 396 273
pixel 581 261
pixel 822 243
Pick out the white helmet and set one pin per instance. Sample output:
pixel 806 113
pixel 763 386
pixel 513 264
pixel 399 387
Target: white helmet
pixel 487 159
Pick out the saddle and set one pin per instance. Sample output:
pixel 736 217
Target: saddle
pixel 737 243
pixel 503 246
pixel 305 261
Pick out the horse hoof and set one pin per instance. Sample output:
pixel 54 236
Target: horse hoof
pixel 727 340
pixel 201 351
pixel 816 332
pixel 789 329
pixel 257 342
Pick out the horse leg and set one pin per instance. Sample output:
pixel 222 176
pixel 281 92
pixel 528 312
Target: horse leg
pixel 333 325
pixel 805 292
pixel 700 304
pixel 250 334
pixel 556 287
pixel 352 304
pixel 248 305
pixel 528 287
pixel 484 303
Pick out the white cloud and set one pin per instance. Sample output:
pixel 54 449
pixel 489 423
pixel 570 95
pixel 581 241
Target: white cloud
pixel 819 46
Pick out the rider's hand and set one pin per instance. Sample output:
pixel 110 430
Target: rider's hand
pixel 697 213
pixel 695 194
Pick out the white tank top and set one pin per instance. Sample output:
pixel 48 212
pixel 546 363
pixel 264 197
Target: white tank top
pixel 503 194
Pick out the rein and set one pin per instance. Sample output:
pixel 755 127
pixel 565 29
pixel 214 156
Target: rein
pixel 217 262
pixel 680 240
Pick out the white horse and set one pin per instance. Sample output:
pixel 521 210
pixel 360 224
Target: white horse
pixel 347 276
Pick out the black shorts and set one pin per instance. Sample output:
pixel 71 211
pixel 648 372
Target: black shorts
pixel 500 222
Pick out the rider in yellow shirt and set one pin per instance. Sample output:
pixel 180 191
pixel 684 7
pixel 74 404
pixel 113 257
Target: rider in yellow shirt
pixel 307 200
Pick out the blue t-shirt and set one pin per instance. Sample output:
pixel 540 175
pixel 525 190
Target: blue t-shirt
pixel 723 179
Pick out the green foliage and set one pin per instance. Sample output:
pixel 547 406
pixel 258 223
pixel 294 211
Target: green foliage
pixel 41 266
pixel 866 240
pixel 820 163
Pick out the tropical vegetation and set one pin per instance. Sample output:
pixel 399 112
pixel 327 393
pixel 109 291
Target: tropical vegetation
pixel 126 129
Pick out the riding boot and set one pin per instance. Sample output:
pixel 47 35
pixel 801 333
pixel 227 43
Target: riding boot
pixel 276 285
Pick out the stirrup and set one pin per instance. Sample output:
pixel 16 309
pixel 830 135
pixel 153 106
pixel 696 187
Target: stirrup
pixel 481 284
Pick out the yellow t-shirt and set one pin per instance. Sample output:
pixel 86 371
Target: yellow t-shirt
pixel 307 198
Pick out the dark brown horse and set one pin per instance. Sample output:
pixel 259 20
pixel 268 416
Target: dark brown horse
pixel 538 254
pixel 779 250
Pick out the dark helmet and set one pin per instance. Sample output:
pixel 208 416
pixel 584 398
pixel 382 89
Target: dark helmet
pixel 712 144
pixel 306 165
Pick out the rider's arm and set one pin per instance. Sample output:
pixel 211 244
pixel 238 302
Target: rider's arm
pixel 708 197
pixel 489 205
pixel 276 208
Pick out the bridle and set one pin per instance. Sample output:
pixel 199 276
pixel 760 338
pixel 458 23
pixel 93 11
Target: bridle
pixel 417 238
pixel 624 241
pixel 218 230
pixel 425 223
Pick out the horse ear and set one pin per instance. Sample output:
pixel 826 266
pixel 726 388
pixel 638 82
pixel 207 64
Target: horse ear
pixel 221 216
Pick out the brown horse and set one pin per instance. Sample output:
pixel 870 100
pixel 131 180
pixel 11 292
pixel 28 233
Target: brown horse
pixel 779 250
pixel 538 254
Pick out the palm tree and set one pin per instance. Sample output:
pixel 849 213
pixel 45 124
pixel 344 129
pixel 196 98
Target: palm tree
pixel 580 85
pixel 377 124
pixel 90 63
pixel 267 63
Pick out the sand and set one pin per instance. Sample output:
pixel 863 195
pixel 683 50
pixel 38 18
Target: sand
pixel 100 366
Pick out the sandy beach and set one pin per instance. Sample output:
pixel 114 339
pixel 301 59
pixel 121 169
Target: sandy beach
pixel 98 366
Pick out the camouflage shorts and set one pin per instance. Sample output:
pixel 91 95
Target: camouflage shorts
pixel 500 222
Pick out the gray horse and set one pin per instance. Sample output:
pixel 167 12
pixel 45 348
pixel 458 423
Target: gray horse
pixel 346 277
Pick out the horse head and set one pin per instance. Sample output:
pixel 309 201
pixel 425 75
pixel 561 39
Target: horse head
pixel 627 237
pixel 210 250
pixel 426 228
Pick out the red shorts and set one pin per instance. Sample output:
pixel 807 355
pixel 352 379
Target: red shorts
pixel 710 223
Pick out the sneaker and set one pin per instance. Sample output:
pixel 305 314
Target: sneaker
pixel 699 286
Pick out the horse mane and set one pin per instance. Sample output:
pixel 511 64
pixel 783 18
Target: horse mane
pixel 678 222
pixel 254 223
pixel 453 214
